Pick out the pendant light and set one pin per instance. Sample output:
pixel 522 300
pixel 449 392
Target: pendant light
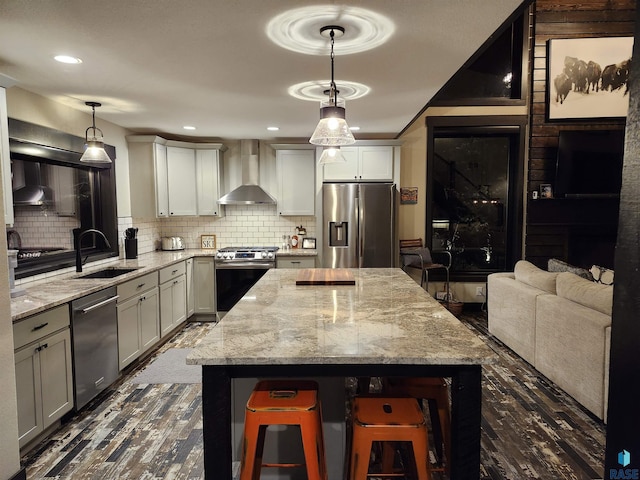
pixel 332 130
pixel 94 143
pixel 331 155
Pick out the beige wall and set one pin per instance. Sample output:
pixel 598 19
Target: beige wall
pixel 414 174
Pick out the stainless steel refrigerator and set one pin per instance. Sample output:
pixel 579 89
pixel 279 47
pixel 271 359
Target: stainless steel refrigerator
pixel 359 225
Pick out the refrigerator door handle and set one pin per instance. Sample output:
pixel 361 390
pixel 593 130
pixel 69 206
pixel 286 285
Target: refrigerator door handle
pixel 360 239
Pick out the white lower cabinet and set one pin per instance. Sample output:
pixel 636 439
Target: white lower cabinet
pixel 296 262
pixel 138 318
pixel 44 378
pixel 173 297
pixel 204 279
pixel 190 292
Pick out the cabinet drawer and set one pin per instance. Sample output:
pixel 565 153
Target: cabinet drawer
pixel 172 271
pixel 296 262
pixel 136 286
pixel 40 325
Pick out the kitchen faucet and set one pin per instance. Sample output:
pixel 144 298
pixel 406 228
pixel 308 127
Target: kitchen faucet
pixel 78 234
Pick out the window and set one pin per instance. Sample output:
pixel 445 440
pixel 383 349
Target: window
pixel 72 195
pixel 495 74
pixel 474 187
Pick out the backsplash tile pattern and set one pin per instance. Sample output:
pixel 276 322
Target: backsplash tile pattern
pixel 40 228
pixel 243 225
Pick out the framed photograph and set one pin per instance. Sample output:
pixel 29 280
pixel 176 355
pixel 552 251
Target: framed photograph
pixel 308 242
pixel 208 242
pixel 408 195
pixel 588 77
pixel 546 191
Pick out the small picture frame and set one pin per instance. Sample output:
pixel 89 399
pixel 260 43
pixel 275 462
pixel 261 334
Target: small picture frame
pixel 408 195
pixel 208 242
pixel 309 242
pixel 546 191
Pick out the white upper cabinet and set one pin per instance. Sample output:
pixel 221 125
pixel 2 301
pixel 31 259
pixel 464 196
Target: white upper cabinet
pixel 364 163
pixel 181 171
pixel 162 180
pixel 183 178
pixel 296 181
pixel 209 180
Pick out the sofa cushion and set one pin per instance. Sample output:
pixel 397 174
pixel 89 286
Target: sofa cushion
pixel 590 294
pixel 555 265
pixel 527 272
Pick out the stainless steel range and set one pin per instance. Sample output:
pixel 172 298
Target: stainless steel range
pixel 237 270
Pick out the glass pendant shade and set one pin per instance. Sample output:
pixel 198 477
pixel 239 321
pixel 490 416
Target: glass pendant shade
pixel 95 152
pixel 331 155
pixel 332 129
pixel 94 145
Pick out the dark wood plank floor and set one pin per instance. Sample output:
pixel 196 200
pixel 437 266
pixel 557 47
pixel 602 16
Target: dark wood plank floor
pixel 531 429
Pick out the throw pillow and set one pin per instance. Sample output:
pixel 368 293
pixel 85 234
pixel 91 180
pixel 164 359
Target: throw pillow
pixel 587 293
pixel 555 265
pixel 527 272
pixel 602 275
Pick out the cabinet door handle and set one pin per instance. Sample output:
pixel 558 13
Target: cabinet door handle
pixel 39 327
pixel 295 261
pixel 175 282
pixel 42 347
pixel 140 286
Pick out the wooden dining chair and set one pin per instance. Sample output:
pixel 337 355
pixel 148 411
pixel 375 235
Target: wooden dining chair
pixel 414 254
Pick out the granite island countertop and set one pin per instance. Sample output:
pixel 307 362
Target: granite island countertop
pixel 57 288
pixel 384 318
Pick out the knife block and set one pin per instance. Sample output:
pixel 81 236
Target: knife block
pixel 130 248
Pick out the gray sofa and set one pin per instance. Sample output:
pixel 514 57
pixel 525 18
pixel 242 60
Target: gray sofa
pixel 558 322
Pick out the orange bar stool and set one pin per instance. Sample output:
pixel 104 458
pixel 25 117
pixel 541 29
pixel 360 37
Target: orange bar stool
pixel 283 402
pixel 380 419
pixel 436 391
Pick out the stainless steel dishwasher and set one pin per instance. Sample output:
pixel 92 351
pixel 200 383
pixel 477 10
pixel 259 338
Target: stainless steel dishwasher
pixel 94 327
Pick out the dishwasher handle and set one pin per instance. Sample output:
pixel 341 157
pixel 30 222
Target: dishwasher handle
pixel 98 305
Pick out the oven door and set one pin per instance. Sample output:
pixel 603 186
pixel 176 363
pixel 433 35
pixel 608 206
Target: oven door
pixel 233 281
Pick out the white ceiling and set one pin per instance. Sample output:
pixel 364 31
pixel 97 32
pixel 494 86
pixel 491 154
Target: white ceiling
pixel 157 65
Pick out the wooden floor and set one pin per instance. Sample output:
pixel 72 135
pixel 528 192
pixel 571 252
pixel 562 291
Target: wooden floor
pixel 531 429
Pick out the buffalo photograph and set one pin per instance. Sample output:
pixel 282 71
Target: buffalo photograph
pixel 588 77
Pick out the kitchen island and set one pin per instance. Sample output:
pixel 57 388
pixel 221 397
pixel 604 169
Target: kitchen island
pixel 384 325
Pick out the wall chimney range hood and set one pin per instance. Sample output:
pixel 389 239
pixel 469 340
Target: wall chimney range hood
pixel 249 192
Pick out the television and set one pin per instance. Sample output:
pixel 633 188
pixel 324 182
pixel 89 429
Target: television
pixel 589 164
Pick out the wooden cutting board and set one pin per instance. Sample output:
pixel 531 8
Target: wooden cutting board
pixel 325 276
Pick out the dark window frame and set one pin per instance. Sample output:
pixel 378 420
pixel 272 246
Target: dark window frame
pixel 520 58
pixel 513 125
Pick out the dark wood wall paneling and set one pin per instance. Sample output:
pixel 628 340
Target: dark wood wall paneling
pixel 549 229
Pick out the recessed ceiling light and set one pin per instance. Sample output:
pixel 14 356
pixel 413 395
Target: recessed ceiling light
pixel 67 59
pixel 354 129
pixel 189 127
pixel 273 129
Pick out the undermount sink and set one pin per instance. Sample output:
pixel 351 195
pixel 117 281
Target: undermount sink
pixel 108 273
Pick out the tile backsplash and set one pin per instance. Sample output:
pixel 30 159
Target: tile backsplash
pixel 243 225
pixel 40 228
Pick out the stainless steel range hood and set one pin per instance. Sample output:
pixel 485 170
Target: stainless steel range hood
pixel 249 192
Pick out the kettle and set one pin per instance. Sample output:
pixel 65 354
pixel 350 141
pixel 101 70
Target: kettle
pixel 173 243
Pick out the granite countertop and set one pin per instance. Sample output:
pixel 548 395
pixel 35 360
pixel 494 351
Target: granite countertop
pixel 297 252
pixel 57 289
pixel 385 317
